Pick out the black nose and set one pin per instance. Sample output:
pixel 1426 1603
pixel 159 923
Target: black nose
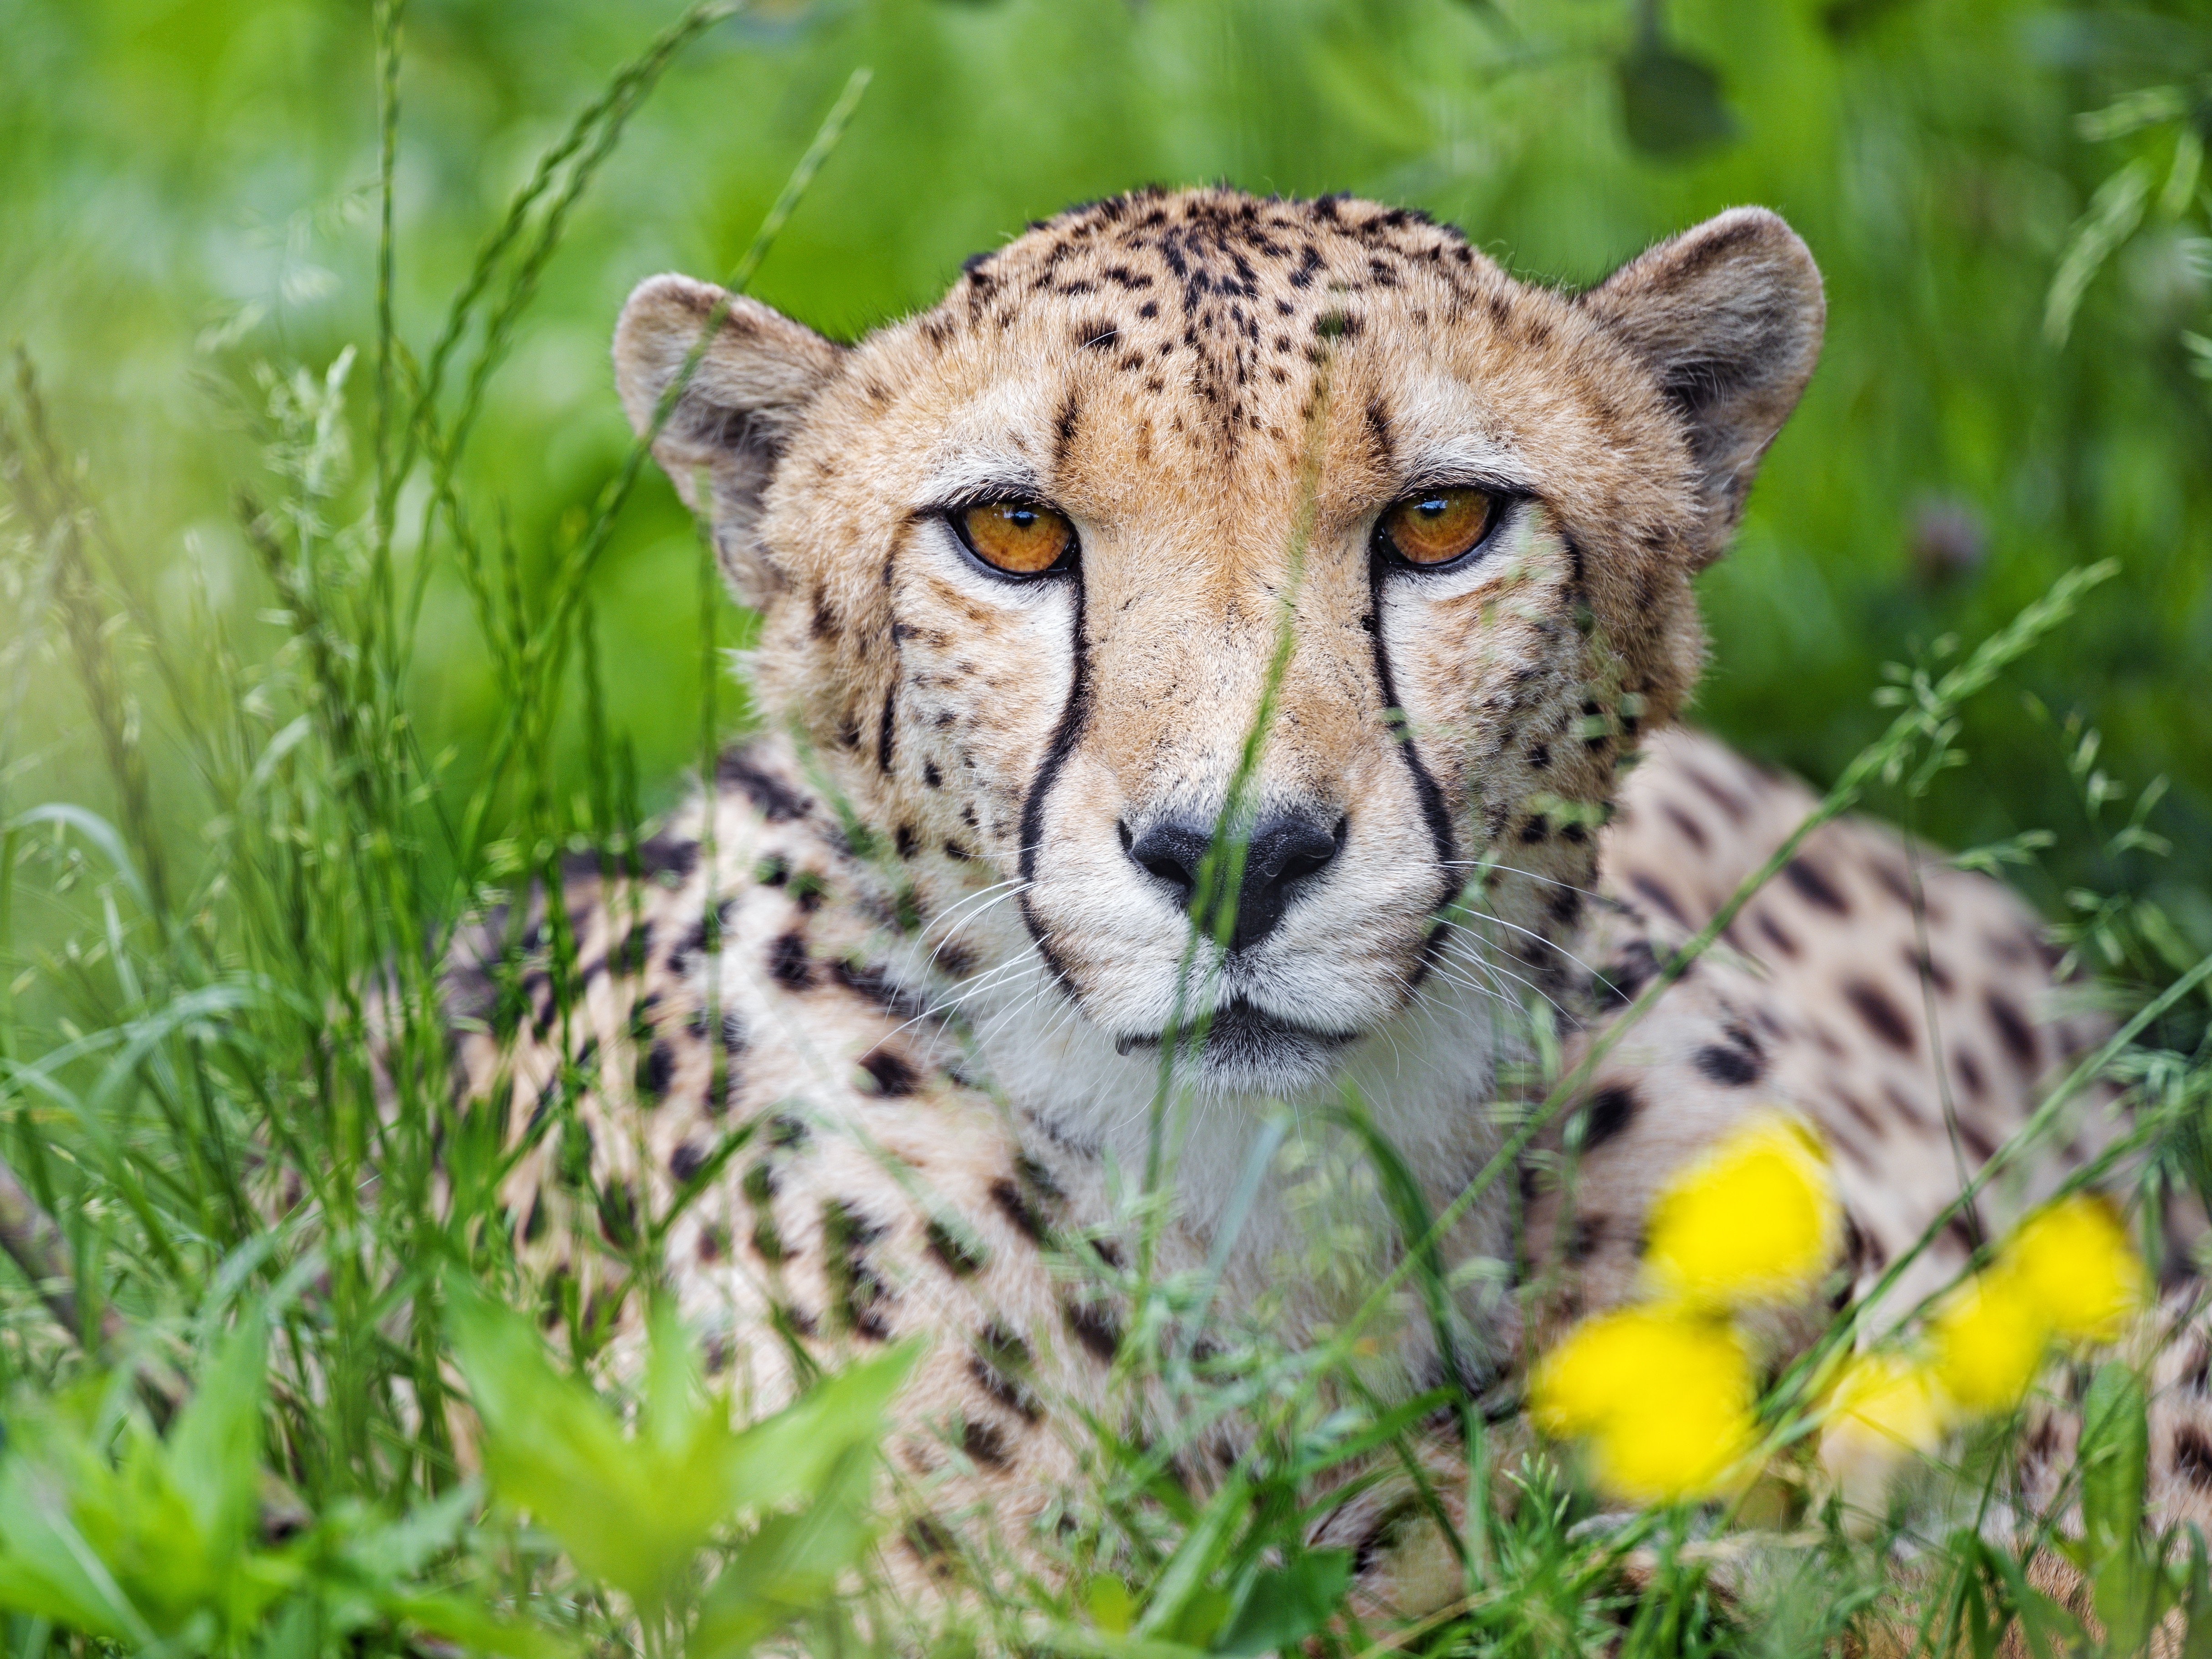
pixel 1284 851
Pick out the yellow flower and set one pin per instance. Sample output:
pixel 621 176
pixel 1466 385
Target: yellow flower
pixel 1656 1453
pixel 2074 1259
pixel 1889 1398
pixel 1990 1340
pixel 1663 1396
pixel 1754 1220
pixel 1884 1409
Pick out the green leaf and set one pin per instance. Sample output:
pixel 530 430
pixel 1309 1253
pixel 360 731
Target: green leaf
pixel 2114 1457
pixel 792 1565
pixel 1288 1605
pixel 1113 1609
pixel 1670 103
pixel 461 1620
pixel 634 1509
pixel 215 1448
pixel 1183 1582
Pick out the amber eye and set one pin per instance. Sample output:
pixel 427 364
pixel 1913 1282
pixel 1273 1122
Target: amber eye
pixel 1438 526
pixel 1019 538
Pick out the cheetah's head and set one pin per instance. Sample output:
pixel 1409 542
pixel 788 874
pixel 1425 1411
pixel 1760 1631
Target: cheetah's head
pixel 1037 564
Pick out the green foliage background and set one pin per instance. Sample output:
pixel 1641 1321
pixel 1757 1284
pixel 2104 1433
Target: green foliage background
pixel 2010 206
pixel 185 187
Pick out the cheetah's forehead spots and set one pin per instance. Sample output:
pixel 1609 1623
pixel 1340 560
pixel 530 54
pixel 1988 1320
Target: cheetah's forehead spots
pixel 1216 309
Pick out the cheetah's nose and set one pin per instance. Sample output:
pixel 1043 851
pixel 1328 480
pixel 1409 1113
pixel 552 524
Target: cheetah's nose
pixel 1285 850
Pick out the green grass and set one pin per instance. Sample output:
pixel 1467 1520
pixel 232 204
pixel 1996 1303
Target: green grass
pixel 339 608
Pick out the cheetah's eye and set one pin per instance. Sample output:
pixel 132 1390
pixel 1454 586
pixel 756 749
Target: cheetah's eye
pixel 1018 538
pixel 1437 526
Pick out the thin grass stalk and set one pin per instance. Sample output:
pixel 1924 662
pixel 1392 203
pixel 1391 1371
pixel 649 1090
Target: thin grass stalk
pixel 1213 903
pixel 388 16
pixel 628 92
pixel 549 644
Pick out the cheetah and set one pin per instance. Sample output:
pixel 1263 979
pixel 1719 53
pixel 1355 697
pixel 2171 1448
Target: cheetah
pixel 1185 510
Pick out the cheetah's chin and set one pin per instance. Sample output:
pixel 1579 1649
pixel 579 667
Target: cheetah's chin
pixel 1249 1049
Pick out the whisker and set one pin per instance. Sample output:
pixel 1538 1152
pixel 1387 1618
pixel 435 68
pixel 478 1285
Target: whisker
pixel 1489 916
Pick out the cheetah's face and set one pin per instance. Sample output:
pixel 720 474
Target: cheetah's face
pixel 1038 566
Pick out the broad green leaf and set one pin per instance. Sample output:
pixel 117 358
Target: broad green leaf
pixel 1670 103
pixel 634 1509
pixel 791 1565
pixel 1289 1604
pixel 213 1452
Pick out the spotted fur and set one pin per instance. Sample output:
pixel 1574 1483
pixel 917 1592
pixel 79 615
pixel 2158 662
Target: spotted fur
pixel 870 1035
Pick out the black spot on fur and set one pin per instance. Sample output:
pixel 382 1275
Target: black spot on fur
pixel 1582 1240
pixel 886 732
pixel 1000 1362
pixel 685 1161
pixel 617 1208
pixel 629 957
pixel 892 1073
pixel 1095 1328
pixel 1775 935
pixel 2012 1030
pixel 1814 887
pixel 1732 1065
pixel 1882 1016
pixel 656 1071
pixel 1008 1197
pixel 931 1544
pixel 1063 430
pixel 664 854
pixel 986 1443
pixel 775 799
pixel 1611 1110
pixel 1624 980
pixel 860 1292
pixel 1970 1073
pixel 1656 890
pixel 953 1244
pixel 786 961
pixel 873 981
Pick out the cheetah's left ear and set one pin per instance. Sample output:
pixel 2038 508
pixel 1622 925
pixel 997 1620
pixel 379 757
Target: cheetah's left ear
pixel 731 424
pixel 1728 316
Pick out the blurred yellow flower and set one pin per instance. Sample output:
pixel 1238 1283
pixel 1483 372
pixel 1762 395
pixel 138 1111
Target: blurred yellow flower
pixel 1886 1397
pixel 1884 1409
pixel 2067 1270
pixel 1990 1339
pixel 1754 1220
pixel 2074 1259
pixel 1663 1395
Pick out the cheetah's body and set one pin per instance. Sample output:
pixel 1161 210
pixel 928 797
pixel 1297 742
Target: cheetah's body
pixel 881 1018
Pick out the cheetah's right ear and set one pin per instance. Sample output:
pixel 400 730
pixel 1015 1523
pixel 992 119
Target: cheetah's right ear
pixel 733 420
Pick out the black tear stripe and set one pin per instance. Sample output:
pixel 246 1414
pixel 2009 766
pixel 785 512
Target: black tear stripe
pixel 1433 809
pixel 1072 719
